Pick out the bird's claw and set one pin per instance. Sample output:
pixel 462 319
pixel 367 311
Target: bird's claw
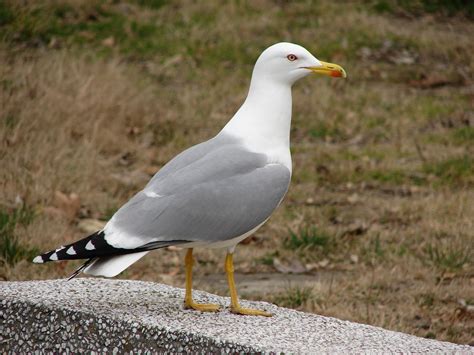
pixel 203 307
pixel 249 312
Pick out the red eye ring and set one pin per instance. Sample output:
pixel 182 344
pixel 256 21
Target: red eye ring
pixel 291 57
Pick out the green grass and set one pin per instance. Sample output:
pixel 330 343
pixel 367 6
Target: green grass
pixel 393 177
pixel 6 14
pixel 294 297
pixel 11 250
pixel 419 7
pixel 463 135
pixel 323 130
pixel 427 299
pixel 135 37
pixel 374 250
pixel 433 109
pixel 86 25
pixel 9 121
pixel 268 258
pixel 144 38
pixel 459 170
pixel 448 258
pixel 152 4
pixel 308 237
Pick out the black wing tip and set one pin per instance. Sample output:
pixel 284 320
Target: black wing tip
pixel 82 249
pixel 46 257
pixel 96 246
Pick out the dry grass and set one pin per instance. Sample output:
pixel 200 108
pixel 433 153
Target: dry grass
pixel 95 97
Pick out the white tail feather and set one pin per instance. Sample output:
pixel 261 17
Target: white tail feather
pixel 111 266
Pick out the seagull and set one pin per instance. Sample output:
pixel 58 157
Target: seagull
pixel 213 194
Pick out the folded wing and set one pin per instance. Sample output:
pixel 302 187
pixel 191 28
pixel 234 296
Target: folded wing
pixel 210 193
pixel 223 195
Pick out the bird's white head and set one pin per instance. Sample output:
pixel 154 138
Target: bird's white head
pixel 264 119
pixel 287 62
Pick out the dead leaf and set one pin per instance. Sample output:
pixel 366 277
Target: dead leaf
pixel 85 212
pixel 147 139
pixel 353 199
pixel 67 205
pixel 53 211
pixel 389 52
pixel 466 306
pixel 19 201
pixel 403 57
pixel 336 219
pixel 309 201
pixel 356 228
pixel 167 279
pixel 249 240
pixel 87 34
pixel 133 131
pixel 434 81
pixel 174 272
pixel 90 225
pixel 245 267
pixel 133 179
pixel 173 61
pixel 464 311
pixel 448 276
pixel 311 266
pixel 109 42
pixel 356 140
pixel 350 186
pixel 54 43
pixel 323 263
pixel 322 169
pixel 151 169
pixel 296 267
pixel 126 159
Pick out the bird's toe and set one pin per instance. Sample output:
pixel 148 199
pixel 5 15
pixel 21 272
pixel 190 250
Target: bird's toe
pixel 203 307
pixel 249 312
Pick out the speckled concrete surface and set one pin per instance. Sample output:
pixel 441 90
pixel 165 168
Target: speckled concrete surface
pixel 115 316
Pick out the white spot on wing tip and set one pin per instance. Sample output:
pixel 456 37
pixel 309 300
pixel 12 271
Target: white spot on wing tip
pixel 53 257
pixel 38 260
pixel 71 251
pixel 90 246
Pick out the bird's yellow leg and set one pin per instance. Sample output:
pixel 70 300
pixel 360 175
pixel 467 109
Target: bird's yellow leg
pixel 234 299
pixel 188 298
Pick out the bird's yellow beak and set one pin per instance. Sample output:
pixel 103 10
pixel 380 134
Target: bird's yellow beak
pixel 329 69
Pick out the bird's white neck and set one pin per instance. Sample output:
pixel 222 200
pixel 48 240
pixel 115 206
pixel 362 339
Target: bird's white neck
pixel 263 121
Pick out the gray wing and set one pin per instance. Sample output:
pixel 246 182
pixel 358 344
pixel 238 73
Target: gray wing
pixel 216 195
pixel 191 155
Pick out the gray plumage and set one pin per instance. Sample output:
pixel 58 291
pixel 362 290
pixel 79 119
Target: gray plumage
pixel 212 192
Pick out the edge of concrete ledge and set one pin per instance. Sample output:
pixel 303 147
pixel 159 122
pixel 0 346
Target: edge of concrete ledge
pixel 104 315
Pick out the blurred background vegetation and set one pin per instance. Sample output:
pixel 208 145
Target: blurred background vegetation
pixel 378 224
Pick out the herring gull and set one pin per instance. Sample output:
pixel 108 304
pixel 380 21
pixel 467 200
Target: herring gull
pixel 216 193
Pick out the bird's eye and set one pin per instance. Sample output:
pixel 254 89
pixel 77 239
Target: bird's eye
pixel 291 57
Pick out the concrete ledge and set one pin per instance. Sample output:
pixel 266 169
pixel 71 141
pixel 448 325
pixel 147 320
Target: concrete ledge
pixel 114 316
